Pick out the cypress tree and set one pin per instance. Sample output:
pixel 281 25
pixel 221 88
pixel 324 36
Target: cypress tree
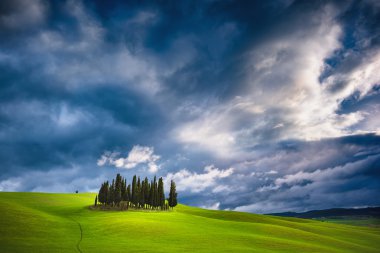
pixel 106 192
pixel 123 189
pixel 111 193
pixel 129 196
pixel 146 191
pixel 160 193
pixel 102 196
pixel 134 190
pixel 155 195
pixel 140 194
pixel 117 193
pixel 172 194
pixel 138 197
pixel 151 195
pixel 143 193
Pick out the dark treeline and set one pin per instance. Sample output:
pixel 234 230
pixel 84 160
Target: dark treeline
pixel 141 194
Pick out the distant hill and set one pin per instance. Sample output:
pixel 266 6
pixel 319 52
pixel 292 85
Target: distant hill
pixel 334 212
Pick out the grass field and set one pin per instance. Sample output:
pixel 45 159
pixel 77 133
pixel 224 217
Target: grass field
pixel 42 222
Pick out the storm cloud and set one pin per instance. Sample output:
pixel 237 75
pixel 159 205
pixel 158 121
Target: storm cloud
pixel 262 106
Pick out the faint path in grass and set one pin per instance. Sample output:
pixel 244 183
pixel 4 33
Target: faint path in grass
pixel 81 235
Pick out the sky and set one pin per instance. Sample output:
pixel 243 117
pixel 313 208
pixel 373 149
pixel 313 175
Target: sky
pixel 256 106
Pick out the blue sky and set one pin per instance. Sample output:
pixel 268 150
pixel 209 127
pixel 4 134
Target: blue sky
pixel 258 106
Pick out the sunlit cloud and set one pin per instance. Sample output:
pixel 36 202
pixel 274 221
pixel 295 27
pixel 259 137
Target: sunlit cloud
pixel 137 156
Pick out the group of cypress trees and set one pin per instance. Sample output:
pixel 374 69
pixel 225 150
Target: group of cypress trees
pixel 142 194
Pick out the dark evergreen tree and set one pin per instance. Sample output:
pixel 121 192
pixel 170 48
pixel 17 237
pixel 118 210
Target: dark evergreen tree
pixel 111 193
pixel 172 194
pixel 102 198
pixel 141 194
pixel 117 193
pixel 146 191
pixel 138 193
pixel 151 195
pixel 155 195
pixel 134 190
pixel 103 192
pixel 124 190
pixel 129 195
pixel 107 192
pixel 160 193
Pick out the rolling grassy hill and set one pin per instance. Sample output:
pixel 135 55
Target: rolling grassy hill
pixel 42 222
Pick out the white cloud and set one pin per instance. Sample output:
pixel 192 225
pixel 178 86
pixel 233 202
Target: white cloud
pixel 222 188
pixel 10 184
pixel 262 207
pixel 325 175
pixel 107 158
pixel 283 97
pixel 362 78
pixel 316 176
pixel 221 129
pixel 194 182
pixel 315 188
pixel 137 156
pixel 214 206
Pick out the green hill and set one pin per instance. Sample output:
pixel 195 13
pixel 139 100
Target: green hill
pixel 42 222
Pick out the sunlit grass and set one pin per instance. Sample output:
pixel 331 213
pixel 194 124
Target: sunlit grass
pixel 40 222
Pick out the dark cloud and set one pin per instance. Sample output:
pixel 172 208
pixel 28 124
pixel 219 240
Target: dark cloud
pixel 268 106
